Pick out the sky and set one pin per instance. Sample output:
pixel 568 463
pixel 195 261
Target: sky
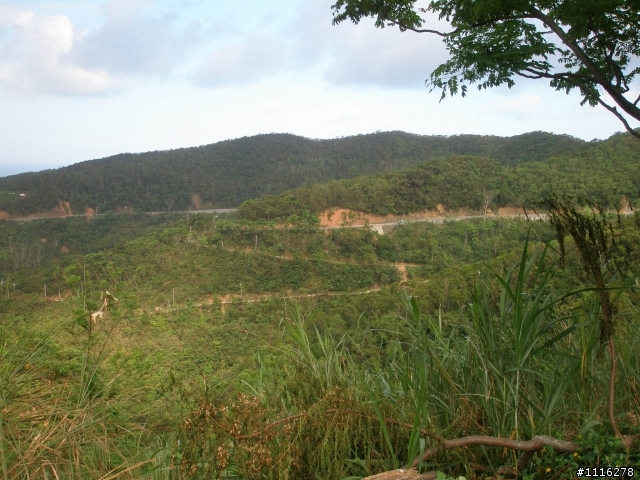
pixel 86 79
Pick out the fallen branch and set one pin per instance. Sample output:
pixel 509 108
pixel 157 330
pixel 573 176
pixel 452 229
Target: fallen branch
pixel 402 474
pixel 529 447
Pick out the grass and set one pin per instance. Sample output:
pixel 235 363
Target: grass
pixel 347 387
pixel 526 363
pixel 61 425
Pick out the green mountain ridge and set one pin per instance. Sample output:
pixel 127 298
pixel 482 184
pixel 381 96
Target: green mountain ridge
pixel 608 172
pixel 224 174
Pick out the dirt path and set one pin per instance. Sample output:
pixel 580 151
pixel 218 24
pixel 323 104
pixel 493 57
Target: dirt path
pixel 382 224
pixel 254 298
pixel 68 214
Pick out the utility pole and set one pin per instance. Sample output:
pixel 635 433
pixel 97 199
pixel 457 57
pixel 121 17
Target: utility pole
pixel 174 296
pixel 45 291
pixel 256 247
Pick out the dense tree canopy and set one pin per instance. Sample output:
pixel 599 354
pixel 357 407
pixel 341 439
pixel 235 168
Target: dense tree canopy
pixel 591 46
pixel 227 173
pixel 607 172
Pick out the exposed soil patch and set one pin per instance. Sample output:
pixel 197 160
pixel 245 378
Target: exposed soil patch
pixel 402 268
pixel 3 215
pixel 343 217
pixel 509 211
pixel 62 210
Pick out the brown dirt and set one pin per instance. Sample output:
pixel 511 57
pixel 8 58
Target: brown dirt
pixel 402 268
pixel 341 217
pixel 62 210
pixel 503 211
pixel 3 215
pixel 196 201
pixel 58 297
pixel 89 213
pixel 625 207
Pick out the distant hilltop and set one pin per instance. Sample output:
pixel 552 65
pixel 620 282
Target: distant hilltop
pixel 224 174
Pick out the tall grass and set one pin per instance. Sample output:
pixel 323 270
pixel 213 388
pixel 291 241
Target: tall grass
pixel 525 363
pixel 60 426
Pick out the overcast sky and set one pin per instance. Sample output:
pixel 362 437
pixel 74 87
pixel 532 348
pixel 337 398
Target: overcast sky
pixel 85 79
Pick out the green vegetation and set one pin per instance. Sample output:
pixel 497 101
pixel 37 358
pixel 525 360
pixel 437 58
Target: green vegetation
pixel 59 407
pixel 271 348
pixel 225 174
pixel 607 172
pixel 188 344
pixel 33 244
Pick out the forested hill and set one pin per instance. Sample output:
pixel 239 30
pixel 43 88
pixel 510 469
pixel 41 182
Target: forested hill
pixel 607 172
pixel 227 173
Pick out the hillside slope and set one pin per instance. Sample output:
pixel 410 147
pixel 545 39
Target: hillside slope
pixel 227 173
pixel 608 172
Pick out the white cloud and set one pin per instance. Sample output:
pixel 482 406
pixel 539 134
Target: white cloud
pixel 34 59
pixel 364 55
pixel 341 55
pixel 385 57
pixel 521 105
pixel 48 54
pixel 243 62
pixel 130 43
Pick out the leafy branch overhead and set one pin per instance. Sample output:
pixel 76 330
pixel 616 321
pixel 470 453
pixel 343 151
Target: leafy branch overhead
pixel 591 46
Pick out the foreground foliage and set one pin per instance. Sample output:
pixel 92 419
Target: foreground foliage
pixel 196 387
pixel 57 415
pixel 526 364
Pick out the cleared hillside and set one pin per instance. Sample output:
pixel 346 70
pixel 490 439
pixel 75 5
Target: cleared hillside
pixel 227 173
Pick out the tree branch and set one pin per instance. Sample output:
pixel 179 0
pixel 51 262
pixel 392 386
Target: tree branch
pixel 627 440
pixel 535 444
pixel 612 391
pixel 413 29
pixel 568 77
pixel 559 76
pixel 599 77
pixel 614 110
pixel 402 474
